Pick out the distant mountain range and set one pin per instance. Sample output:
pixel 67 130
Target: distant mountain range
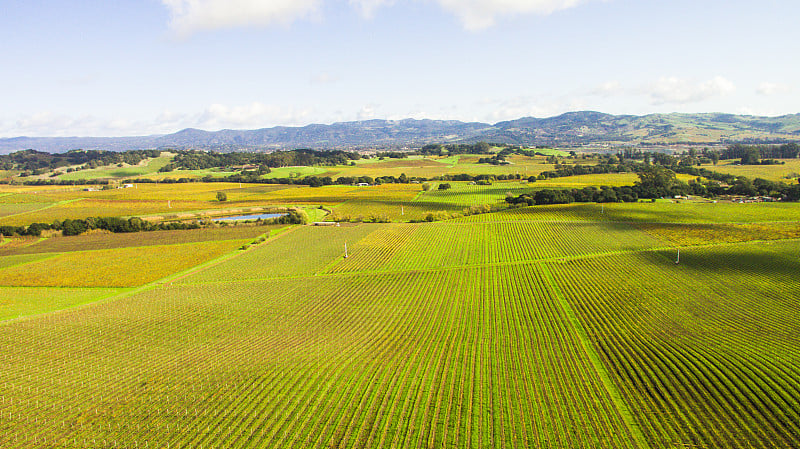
pixel 572 129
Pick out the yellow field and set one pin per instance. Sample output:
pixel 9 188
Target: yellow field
pixel 121 267
pixel 702 234
pixel 770 172
pixel 23 205
pixel 145 199
pixel 432 166
pixel 103 240
pixel 603 179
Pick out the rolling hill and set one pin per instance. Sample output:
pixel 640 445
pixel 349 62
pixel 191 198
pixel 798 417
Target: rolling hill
pixel 569 130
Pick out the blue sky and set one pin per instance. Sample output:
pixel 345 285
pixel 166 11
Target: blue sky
pixel 157 66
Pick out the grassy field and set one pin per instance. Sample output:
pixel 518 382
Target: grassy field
pixel 19 302
pixel 568 326
pixel 419 166
pixel 24 206
pixel 146 167
pixel 431 166
pixel 787 172
pixel 647 212
pixel 104 240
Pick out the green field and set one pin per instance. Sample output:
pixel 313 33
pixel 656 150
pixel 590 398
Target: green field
pixel 647 212
pixel 20 302
pixel 146 167
pixel 717 368
pixel 419 166
pixel 538 327
pixel 564 326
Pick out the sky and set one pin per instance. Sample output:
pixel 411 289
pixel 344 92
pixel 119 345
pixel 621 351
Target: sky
pixel 141 67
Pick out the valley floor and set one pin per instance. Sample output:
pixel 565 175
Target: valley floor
pixel 627 326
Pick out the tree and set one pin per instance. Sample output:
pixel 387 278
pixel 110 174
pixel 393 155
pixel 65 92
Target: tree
pixel 73 227
pixel 297 216
pixel 222 196
pixel 481 147
pixel 750 157
pixel 444 186
pixel 655 181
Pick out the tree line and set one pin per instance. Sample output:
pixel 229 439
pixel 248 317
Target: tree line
pixel 200 160
pixel 32 162
pixel 79 226
pixel 656 181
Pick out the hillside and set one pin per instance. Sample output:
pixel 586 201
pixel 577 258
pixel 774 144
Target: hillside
pixel 570 129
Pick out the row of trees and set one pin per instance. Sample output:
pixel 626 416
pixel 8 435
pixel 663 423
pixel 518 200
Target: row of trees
pixel 437 149
pixel 33 161
pixel 200 160
pixel 740 151
pixel 656 181
pixel 746 154
pixel 603 194
pixel 79 226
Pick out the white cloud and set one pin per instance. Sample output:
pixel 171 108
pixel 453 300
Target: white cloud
pixel 368 112
pixel 673 90
pixel 769 89
pixel 367 8
pixel 52 124
pixel 189 16
pixel 607 89
pixel 758 112
pixel 502 109
pixel 60 125
pixel 324 78
pixel 254 115
pixel 212 118
pixel 480 14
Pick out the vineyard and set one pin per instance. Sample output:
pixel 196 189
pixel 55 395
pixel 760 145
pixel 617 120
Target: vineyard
pixel 658 213
pixel 714 368
pixel 556 327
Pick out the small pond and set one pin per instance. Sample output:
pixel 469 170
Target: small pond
pixel 248 217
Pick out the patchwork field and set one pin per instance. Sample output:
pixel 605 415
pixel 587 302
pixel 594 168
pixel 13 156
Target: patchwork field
pixel 789 171
pixel 559 326
pixel 104 240
pixel 146 167
pixel 659 212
